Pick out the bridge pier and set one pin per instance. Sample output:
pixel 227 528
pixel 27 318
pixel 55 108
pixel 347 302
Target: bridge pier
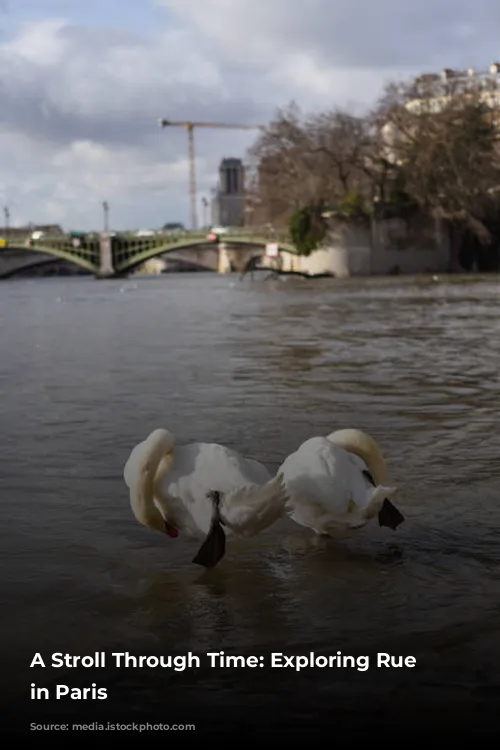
pixel 224 263
pixel 106 268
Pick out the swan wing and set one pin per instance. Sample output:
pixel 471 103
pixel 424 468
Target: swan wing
pixel 251 509
pixel 321 475
pixel 327 486
pixel 214 467
pixel 196 470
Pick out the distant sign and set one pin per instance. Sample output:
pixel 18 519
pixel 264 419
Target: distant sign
pixel 272 250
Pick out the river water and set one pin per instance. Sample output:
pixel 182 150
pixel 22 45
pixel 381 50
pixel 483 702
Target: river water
pixel 88 369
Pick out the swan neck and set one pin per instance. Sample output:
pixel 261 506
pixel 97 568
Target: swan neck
pixel 364 446
pixel 158 448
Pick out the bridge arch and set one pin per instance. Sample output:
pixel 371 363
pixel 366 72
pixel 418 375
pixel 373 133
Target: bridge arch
pixel 134 261
pixel 29 266
pixel 131 258
pixel 15 260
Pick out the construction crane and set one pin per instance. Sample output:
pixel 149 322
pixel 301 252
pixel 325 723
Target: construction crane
pixel 190 126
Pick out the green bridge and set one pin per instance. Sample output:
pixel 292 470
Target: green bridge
pixel 107 255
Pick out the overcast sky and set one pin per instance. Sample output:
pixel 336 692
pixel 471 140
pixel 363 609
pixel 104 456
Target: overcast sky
pixel 83 83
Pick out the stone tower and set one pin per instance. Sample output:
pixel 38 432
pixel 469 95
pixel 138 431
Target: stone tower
pixel 228 205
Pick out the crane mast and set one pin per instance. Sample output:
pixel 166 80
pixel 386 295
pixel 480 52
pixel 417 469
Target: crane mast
pixel 189 127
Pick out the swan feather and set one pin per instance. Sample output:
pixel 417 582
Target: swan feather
pixel 331 488
pixel 172 486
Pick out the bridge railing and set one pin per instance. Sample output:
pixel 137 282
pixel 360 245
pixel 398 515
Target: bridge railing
pixel 127 245
pixel 86 246
pixel 85 240
pixel 174 237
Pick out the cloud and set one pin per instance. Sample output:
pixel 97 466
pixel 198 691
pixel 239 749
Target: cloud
pixel 79 121
pixel 344 33
pixel 80 103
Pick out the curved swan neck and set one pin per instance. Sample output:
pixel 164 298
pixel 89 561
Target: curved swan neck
pixel 364 446
pixel 155 448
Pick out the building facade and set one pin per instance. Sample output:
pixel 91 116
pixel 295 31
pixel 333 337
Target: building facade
pixel 228 201
pixel 432 92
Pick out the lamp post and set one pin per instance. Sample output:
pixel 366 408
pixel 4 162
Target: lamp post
pixel 204 204
pixel 105 208
pixel 7 218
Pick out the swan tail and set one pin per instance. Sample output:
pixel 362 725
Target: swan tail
pixel 245 511
pixel 139 475
pixel 381 506
pixel 249 510
pixel 213 548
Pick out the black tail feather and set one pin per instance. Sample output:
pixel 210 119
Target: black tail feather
pixel 213 548
pixel 390 516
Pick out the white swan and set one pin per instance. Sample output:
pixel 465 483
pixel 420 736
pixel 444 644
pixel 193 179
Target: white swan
pixel 200 488
pixel 338 483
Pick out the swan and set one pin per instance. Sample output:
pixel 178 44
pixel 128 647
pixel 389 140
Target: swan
pixel 201 490
pixel 336 484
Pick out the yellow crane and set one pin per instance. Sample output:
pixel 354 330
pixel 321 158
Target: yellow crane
pixel 190 126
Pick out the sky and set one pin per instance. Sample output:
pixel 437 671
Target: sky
pixel 83 83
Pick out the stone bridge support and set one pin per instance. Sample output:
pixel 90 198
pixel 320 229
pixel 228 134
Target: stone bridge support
pixel 106 268
pixel 221 258
pixel 224 260
pixel 236 258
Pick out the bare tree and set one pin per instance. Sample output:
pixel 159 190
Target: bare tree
pixel 283 176
pixel 442 142
pixel 341 142
pixel 429 145
pixel 318 160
